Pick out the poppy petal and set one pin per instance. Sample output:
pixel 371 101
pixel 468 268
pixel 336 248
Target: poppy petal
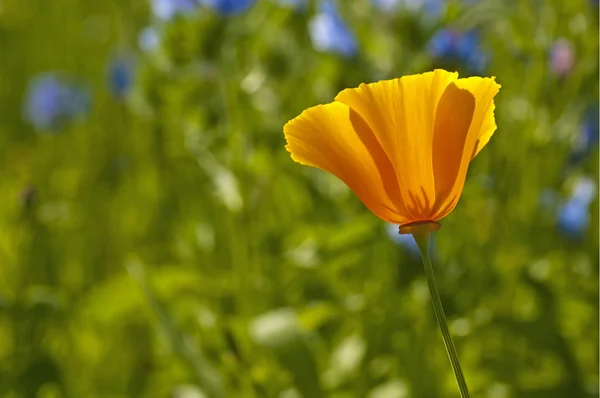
pixel 332 137
pixel 452 121
pixel 401 114
pixel 484 89
pixel 481 129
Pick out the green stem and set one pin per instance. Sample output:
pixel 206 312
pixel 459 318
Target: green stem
pixel 422 238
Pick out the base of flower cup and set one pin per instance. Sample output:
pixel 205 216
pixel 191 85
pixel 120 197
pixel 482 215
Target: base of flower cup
pixel 419 226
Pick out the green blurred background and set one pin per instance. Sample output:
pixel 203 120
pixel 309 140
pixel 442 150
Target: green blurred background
pixel 156 239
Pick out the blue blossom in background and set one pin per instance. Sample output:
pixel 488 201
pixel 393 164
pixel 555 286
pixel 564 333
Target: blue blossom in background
pixel 431 8
pixel 573 214
pixel 466 44
pixel 330 34
pixel 120 75
pixel 573 218
pixel 587 139
pixel 590 127
pixel 462 47
pixel 291 3
pixel 469 50
pixel 168 9
pixel 44 102
pixel 149 39
pixel 443 43
pixel 387 5
pixel 49 102
pixel 229 7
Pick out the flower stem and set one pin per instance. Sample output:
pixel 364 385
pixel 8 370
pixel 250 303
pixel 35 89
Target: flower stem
pixel 421 236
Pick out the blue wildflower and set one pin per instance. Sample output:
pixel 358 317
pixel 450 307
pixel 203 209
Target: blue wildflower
pixel 431 8
pixel 443 44
pixel 590 128
pixel 149 39
pixel 120 75
pixel 573 215
pixel 229 7
pixel 387 5
pixel 44 102
pixel 330 34
pixel 573 218
pixel 466 44
pixel 588 137
pixel 462 47
pixel 291 3
pixel 477 61
pixel 168 9
pixel 50 101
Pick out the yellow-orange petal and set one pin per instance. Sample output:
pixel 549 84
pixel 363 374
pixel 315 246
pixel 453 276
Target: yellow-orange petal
pixel 484 89
pixel 332 137
pixel 452 121
pixel 401 114
pixel 481 129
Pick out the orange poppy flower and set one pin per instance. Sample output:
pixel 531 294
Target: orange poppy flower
pixel 403 145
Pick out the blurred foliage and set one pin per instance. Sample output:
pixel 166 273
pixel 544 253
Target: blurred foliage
pixel 167 246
